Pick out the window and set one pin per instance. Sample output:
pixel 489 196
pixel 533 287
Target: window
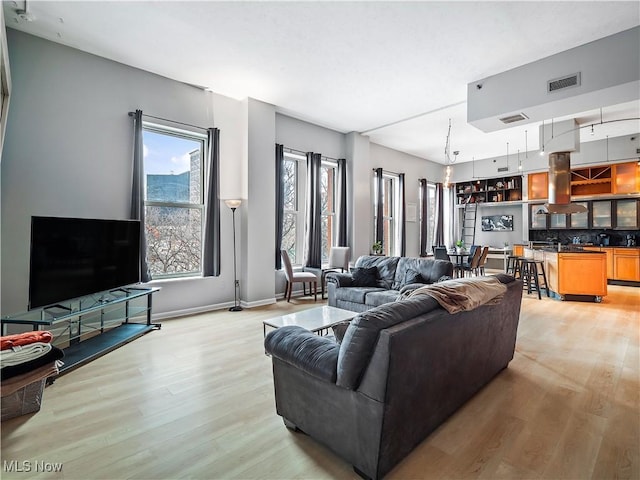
pixel 328 200
pixel 430 221
pixel 293 219
pixel 390 204
pixel 295 176
pixel 174 204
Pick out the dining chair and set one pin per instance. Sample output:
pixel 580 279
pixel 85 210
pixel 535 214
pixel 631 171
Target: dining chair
pixel 297 277
pixel 472 266
pixel 482 261
pixel 440 253
pixel 338 261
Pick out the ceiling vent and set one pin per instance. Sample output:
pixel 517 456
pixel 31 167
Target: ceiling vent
pixel 514 118
pixel 564 82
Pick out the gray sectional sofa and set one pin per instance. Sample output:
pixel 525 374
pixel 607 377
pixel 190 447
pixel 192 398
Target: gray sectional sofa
pixel 393 276
pixel 401 370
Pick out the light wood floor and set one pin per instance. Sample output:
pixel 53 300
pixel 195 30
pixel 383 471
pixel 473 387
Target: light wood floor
pixel 195 400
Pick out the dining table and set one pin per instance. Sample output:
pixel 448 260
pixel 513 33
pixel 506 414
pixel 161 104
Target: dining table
pixel 458 259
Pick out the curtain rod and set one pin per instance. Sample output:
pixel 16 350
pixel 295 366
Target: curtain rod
pixel 131 114
pixel 300 152
pixel 386 171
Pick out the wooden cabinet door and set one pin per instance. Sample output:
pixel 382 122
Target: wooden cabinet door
pixel 538 186
pixel 610 270
pixel 626 264
pixel 626 178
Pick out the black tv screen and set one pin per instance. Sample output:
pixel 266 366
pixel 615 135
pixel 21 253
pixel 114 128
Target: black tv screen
pixel 72 257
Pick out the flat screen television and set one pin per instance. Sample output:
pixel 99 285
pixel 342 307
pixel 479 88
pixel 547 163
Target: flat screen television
pixel 72 257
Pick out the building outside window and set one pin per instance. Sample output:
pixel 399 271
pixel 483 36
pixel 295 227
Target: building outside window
pixel 390 204
pixel 293 219
pixel 431 216
pixel 328 199
pixel 174 203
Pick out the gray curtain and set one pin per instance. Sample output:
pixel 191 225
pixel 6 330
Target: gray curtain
pixel 438 237
pixel 424 217
pixel 341 210
pixel 313 217
pixel 211 248
pixel 137 193
pixel 402 225
pixel 379 206
pixel 279 202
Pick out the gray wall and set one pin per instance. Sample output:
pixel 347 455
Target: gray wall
pixel 68 150
pixel 414 168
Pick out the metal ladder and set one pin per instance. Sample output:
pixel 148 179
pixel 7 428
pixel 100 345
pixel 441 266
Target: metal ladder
pixel 469 224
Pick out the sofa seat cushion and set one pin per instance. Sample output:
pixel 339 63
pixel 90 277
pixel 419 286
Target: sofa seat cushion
pixel 379 298
pixel 356 294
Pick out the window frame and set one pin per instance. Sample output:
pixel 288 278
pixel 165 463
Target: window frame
pixel 198 206
pixel 329 166
pixel 391 232
pixel 298 212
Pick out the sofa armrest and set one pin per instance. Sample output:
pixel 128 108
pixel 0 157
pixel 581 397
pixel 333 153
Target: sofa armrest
pixel 315 355
pixel 340 279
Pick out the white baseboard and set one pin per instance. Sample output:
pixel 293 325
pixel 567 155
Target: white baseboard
pixel 208 308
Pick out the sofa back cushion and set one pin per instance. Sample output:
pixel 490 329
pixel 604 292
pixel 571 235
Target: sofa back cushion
pixel 361 336
pixel 386 268
pixel 430 270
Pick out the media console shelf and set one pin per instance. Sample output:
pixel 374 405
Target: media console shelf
pixel 91 326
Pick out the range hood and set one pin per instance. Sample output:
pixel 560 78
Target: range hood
pixel 560 185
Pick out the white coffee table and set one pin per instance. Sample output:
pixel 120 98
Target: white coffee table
pixel 314 319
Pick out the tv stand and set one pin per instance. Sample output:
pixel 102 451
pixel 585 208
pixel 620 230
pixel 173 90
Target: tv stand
pixel 88 327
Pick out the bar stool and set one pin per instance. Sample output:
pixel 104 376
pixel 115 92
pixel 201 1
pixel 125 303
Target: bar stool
pixel 514 265
pixel 530 274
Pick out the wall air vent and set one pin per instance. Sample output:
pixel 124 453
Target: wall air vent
pixel 514 118
pixel 503 169
pixel 564 82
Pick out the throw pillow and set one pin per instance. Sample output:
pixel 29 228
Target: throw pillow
pixel 411 276
pixel 443 278
pixel 364 276
pixel 339 330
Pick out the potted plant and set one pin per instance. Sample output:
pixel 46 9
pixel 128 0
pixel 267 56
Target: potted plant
pixel 460 246
pixel 376 248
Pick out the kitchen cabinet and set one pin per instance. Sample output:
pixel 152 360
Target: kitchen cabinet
pixel 609 255
pixel 538 184
pixel 601 214
pixel 626 264
pixel 627 214
pixel 576 273
pixel 537 221
pixel 558 220
pixel 591 180
pixel 627 178
pixel 580 220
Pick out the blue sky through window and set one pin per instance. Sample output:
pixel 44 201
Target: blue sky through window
pixel 167 154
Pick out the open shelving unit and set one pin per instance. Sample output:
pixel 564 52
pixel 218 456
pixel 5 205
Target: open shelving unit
pixel 491 190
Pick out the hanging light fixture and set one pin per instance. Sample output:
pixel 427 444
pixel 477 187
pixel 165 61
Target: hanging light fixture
pixel 447 158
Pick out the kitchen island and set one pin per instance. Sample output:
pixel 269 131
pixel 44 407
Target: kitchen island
pixel 573 273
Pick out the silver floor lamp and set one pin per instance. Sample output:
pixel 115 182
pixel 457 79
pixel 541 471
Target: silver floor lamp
pixel 233 204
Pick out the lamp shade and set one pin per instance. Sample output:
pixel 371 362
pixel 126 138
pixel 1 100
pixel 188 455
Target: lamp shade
pixel 233 203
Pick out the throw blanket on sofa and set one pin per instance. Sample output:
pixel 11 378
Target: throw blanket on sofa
pixel 464 293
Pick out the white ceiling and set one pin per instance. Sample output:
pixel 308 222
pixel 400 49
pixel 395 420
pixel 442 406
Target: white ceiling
pixel 396 71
